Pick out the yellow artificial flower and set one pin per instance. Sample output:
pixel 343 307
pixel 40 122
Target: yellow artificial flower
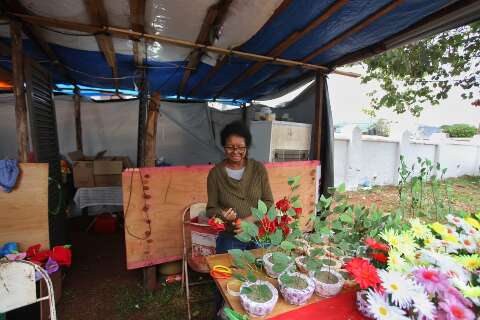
pixel 396 262
pixel 407 245
pixel 471 262
pixel 471 292
pixel 450 238
pixel 420 230
pixel 391 237
pixel 439 228
pixel 474 223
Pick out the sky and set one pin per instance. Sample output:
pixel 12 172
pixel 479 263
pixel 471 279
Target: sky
pixel 348 96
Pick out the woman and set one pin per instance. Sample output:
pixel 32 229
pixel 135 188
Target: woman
pixel 235 185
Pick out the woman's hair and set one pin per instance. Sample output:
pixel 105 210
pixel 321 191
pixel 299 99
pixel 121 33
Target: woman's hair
pixel 236 128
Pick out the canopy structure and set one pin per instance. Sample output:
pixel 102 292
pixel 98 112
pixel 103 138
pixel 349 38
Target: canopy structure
pixel 224 50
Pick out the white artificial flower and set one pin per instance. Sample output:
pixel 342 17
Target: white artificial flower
pixel 399 287
pixel 422 305
pixel 457 221
pixel 381 309
pixel 468 243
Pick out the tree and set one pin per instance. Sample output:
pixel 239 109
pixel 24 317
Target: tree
pixel 426 71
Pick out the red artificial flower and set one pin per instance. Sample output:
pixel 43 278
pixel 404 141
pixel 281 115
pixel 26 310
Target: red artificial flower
pixel 216 224
pixel 364 273
pixel 269 226
pixel 283 205
pixel 380 257
pixel 284 220
pixel 285 230
pixel 261 231
pixel 298 211
pixel 62 255
pixel 33 250
pixel 376 245
pixel 41 257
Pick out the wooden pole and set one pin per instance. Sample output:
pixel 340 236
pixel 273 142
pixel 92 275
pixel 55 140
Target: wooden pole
pixel 19 89
pixel 78 120
pixel 151 130
pixel 319 105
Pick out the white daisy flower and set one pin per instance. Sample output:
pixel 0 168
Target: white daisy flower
pixel 422 305
pixel 396 262
pixel 399 287
pixel 381 310
pixel 457 221
pixel 468 243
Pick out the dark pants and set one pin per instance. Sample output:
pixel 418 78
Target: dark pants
pixel 225 242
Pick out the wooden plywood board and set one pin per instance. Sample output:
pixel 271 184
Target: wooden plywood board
pixel 24 211
pixel 153 225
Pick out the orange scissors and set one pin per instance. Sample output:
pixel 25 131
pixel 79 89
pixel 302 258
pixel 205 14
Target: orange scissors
pixel 221 272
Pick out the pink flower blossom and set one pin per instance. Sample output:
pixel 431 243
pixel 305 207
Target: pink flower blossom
pixel 455 310
pixel 453 293
pixel 432 279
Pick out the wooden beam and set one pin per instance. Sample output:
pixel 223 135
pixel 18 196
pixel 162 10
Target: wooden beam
pixel 124 33
pixel 151 130
pixel 98 15
pixel 336 40
pixel 137 23
pixel 286 43
pixel 14 6
pixel 19 90
pixel 211 23
pixel 319 105
pixel 222 60
pixel 78 120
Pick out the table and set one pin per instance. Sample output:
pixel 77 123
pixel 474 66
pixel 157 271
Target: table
pixel 99 199
pixel 339 307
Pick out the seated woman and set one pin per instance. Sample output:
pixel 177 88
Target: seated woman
pixel 235 185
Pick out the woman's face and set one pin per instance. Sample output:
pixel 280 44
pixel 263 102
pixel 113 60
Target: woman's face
pixel 235 148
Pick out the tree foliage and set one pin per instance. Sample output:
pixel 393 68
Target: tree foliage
pixel 426 71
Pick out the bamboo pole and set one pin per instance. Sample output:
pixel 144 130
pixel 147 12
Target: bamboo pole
pixel 151 130
pixel 19 89
pixel 125 33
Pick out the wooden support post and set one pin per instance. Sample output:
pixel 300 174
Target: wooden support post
pixel 319 105
pixel 150 278
pixel 244 114
pixel 78 120
pixel 19 88
pixel 151 130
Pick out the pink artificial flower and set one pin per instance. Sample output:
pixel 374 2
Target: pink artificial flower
pixel 453 293
pixel 455 310
pixel 432 279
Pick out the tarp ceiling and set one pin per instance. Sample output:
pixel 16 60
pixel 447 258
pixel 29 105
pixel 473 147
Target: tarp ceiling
pixel 255 26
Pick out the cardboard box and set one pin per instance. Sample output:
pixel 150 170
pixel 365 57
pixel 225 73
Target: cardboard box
pixel 108 180
pixel 83 174
pixel 106 167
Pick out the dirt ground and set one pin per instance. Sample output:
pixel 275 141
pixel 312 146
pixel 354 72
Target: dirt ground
pixel 98 285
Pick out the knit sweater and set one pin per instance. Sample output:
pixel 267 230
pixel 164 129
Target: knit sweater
pixel 242 195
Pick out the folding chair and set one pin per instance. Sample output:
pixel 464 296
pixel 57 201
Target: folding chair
pixel 19 289
pixel 198 242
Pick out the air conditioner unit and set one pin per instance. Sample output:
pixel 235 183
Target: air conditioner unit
pixel 279 141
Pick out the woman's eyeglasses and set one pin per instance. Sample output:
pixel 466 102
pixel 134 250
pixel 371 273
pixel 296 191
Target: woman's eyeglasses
pixel 234 148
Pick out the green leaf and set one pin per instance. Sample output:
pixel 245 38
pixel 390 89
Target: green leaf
pixel 249 256
pixel 341 188
pixel 246 290
pixel 257 214
pixel 276 238
pixel 316 238
pixel 294 198
pixel 280 257
pixel 272 213
pixel 312 264
pixel 250 228
pixel 262 207
pixel 239 263
pixel 317 252
pixel 291 212
pixel 336 225
pixel 264 291
pixel 239 277
pixel 287 246
pixel 236 253
pixel 251 276
pixel 293 181
pixel 297 203
pixel 244 237
pixel 279 267
pixel 346 218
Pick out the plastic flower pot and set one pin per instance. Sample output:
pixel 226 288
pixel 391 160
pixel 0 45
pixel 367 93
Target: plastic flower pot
pixel 329 262
pixel 268 266
pixel 299 261
pixel 328 282
pixel 299 293
pixel 261 307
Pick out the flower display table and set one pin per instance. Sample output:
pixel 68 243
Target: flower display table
pixel 339 307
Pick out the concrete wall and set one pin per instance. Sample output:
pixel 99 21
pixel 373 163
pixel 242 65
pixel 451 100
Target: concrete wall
pixel 374 160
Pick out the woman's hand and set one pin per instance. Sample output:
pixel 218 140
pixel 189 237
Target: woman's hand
pixel 229 214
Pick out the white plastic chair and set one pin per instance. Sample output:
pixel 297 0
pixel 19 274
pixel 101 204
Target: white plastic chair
pixel 18 286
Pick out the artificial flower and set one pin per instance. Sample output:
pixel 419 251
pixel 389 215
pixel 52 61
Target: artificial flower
pixel 283 205
pixel 457 221
pixel 447 265
pixel 468 243
pixel 453 293
pixel 450 237
pixel 391 237
pixel 469 262
pixel 419 229
pixel 33 250
pixel 455 310
pixel 364 273
pixel 381 309
pixel 438 228
pixel 400 288
pixel 470 291
pixel 216 224
pixel 423 306
pixel 396 262
pixel 298 211
pixel 62 255
pixel 432 279
pixel 474 223
pixel 407 245
pixel 380 257
pixel 376 245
